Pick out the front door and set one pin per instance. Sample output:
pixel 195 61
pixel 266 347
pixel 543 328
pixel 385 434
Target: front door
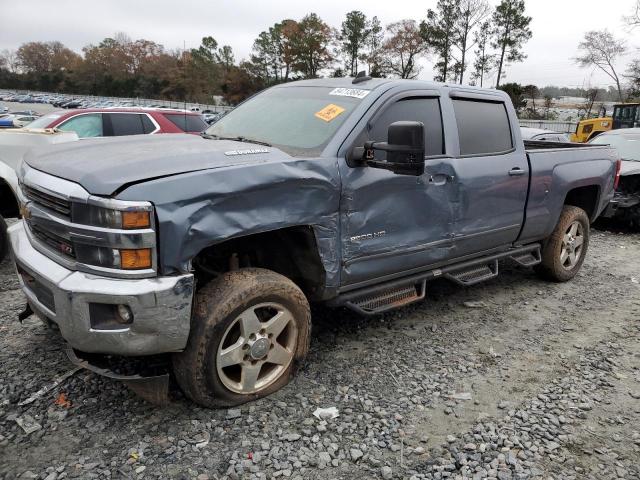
pixel 391 224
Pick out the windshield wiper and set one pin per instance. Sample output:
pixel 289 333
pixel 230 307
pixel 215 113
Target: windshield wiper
pixel 208 136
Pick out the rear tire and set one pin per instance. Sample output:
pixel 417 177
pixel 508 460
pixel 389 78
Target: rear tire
pixel 563 253
pixel 249 333
pixel 4 239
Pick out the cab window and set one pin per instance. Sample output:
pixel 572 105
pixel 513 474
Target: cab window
pixel 425 110
pixel 483 127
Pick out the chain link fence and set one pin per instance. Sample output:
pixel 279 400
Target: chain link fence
pixel 139 102
pixel 553 125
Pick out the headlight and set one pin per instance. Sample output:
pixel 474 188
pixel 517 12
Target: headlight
pixel 123 259
pixel 130 219
pixel 130 248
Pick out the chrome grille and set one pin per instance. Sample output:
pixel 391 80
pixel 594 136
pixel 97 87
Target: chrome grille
pixel 56 242
pixel 51 202
pixel 50 218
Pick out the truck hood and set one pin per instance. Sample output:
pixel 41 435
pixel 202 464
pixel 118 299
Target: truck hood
pixel 105 165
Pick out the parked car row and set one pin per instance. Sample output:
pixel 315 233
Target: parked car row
pixel 73 102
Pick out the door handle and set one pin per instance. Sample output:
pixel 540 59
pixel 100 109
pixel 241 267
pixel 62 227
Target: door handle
pixel 516 172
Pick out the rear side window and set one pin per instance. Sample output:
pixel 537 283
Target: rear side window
pixel 425 110
pixel 86 126
pixel 187 123
pixel 483 127
pixel 124 124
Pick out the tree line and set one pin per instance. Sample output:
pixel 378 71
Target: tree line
pixel 467 40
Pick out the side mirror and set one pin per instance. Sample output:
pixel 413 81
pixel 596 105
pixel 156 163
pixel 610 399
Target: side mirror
pixel 405 149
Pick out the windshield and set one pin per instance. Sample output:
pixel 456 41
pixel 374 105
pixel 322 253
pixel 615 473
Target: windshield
pixel 44 122
pixel 298 120
pixel 627 144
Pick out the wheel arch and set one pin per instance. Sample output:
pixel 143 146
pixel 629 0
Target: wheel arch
pixel 9 207
pixel 585 197
pixel 292 252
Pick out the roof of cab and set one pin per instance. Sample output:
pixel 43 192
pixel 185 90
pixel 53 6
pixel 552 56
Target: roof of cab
pixel 375 83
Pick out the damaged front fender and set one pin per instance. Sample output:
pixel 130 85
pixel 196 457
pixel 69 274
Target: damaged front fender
pixel 200 209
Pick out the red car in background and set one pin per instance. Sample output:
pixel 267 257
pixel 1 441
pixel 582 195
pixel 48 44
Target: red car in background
pixel 115 122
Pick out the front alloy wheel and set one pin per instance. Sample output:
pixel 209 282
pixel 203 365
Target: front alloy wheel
pixel 249 331
pixel 257 348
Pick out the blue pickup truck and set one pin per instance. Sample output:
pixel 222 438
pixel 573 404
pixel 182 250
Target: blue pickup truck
pixel 347 192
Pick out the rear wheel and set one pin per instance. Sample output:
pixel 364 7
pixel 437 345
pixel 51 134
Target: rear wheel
pixel 563 253
pixel 4 239
pixel 249 332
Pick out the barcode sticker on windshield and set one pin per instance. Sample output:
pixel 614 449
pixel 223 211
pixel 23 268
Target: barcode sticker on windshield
pixel 349 92
pixel 329 112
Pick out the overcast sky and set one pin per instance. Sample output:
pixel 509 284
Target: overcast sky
pixel 558 26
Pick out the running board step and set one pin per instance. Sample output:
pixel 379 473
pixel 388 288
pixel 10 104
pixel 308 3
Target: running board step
pixel 528 259
pixel 475 274
pixel 383 300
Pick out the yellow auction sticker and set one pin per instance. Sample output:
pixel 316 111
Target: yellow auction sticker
pixel 329 112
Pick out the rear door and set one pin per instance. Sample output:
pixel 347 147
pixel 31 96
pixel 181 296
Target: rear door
pixel 492 174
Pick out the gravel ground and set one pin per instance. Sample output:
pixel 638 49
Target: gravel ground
pixel 515 378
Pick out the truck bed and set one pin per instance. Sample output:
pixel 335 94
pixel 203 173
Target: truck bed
pixel 553 165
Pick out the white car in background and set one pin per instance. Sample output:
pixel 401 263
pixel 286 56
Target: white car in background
pixel 14 144
pixel 23 120
pixel 542 135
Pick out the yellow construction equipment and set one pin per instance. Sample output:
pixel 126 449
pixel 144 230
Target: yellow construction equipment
pixel 625 115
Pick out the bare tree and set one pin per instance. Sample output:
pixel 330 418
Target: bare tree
pixel 633 20
pixel 485 60
pixel 472 14
pixel 633 75
pixel 403 48
pixel 602 50
pixel 590 97
pixel 10 60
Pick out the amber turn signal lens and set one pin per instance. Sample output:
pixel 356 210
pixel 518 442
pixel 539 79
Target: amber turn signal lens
pixel 136 219
pixel 135 259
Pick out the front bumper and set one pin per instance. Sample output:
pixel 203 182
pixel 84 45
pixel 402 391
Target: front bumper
pixel 161 306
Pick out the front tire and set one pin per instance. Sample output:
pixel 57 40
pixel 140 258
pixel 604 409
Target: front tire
pixel 563 253
pixel 4 239
pixel 249 332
